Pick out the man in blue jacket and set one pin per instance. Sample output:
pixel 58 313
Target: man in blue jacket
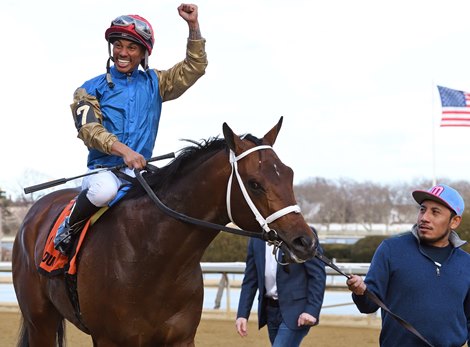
pixel 117 113
pixel 290 296
pixel 422 276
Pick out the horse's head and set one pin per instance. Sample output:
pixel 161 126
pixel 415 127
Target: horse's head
pixel 264 194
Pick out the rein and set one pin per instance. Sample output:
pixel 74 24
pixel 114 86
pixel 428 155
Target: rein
pixel 187 219
pixel 269 235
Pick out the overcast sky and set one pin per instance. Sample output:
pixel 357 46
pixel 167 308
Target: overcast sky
pixel 354 80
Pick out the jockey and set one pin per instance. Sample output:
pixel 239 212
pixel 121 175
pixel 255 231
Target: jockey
pixel 117 113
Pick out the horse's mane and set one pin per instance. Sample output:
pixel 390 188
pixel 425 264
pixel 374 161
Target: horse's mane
pixel 188 157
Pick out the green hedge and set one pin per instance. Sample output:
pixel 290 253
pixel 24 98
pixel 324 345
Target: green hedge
pixel 339 252
pixel 464 229
pixel 230 248
pixel 363 250
pixel 226 247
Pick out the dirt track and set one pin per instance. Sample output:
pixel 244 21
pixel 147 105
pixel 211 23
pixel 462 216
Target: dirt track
pixel 335 331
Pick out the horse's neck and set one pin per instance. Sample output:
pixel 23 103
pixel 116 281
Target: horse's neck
pixel 202 193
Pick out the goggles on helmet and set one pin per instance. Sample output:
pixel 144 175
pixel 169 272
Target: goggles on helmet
pixel 141 27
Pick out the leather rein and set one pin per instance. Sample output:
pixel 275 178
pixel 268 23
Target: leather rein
pixel 269 235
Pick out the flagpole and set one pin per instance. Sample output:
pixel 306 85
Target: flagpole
pixel 433 136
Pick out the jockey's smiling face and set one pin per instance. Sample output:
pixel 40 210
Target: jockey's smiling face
pixel 127 55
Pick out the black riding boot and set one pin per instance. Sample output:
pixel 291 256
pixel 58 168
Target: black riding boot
pixel 73 224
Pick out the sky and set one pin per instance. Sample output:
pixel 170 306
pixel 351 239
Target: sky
pixel 354 80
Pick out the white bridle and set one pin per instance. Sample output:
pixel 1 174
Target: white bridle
pixel 262 221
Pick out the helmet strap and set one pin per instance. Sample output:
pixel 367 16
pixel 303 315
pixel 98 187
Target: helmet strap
pixel 108 68
pixel 145 61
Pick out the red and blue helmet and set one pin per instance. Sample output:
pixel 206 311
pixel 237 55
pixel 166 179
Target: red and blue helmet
pixel 131 27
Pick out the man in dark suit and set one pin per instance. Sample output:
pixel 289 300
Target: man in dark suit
pixel 290 296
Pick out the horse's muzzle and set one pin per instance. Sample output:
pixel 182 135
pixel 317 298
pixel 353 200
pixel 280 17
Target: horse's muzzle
pixel 300 250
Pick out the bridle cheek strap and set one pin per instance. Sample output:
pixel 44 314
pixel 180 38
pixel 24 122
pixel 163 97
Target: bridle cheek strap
pixel 261 220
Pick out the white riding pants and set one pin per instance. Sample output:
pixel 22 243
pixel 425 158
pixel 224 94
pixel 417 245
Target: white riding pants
pixel 103 186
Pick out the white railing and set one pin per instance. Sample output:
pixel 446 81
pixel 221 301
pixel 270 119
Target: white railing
pixel 226 269
pixel 5 266
pixel 239 268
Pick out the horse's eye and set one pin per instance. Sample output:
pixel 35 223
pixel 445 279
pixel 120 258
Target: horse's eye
pixel 255 186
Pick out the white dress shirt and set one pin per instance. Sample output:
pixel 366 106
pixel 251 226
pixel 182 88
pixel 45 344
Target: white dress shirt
pixel 270 273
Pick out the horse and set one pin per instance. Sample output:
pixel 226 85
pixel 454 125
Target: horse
pixel 139 281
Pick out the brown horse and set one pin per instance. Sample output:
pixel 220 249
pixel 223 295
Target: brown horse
pixel 139 281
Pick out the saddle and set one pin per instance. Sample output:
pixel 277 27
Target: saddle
pixel 55 263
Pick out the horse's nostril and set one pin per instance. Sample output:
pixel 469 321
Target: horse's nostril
pixel 304 242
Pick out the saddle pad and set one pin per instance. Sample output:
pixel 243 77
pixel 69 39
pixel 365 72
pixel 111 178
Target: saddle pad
pixel 53 262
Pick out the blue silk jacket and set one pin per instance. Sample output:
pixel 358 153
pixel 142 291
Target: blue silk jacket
pixel 130 111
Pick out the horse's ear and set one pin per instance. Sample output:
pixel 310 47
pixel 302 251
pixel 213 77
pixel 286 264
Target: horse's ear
pixel 229 136
pixel 234 142
pixel 271 135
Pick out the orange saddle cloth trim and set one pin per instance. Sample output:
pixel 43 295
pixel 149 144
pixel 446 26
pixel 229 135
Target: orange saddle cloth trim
pixel 53 262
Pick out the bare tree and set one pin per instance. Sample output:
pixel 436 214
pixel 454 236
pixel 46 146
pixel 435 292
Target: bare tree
pixel 346 201
pixel 326 201
pixel 372 204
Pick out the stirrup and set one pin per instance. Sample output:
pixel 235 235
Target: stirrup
pixel 64 237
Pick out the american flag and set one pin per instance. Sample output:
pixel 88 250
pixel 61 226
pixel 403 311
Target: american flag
pixel 455 107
